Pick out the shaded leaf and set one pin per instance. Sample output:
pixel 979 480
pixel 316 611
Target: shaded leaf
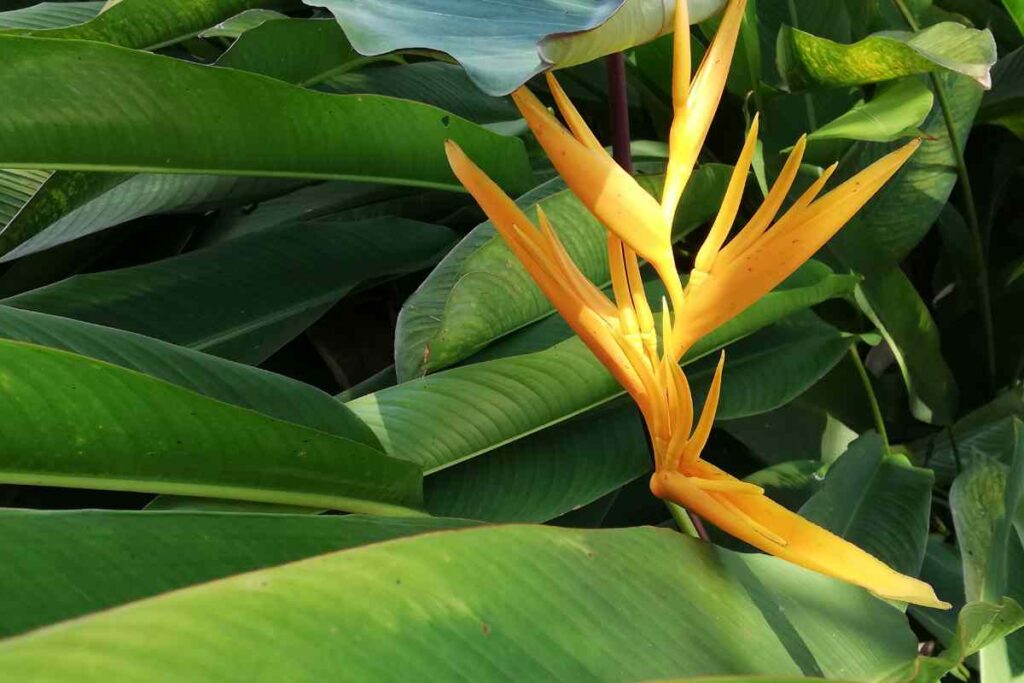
pixel 281 282
pixel 897 311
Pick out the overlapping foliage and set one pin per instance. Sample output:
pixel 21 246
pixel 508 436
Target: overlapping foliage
pixel 242 293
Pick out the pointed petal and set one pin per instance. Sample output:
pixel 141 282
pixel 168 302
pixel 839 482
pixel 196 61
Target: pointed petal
pixel 773 258
pixel 806 544
pixel 572 116
pixel 605 189
pixel 512 224
pixel 730 203
pixel 570 273
pixel 765 214
pixel 695 444
pixel 691 122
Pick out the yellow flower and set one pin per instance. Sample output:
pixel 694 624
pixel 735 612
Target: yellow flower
pixel 728 276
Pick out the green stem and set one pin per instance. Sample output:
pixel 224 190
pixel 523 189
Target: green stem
pixel 683 520
pixel 977 243
pixel 876 411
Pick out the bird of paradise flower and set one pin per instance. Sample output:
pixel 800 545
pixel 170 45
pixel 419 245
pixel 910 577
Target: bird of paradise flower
pixel 728 276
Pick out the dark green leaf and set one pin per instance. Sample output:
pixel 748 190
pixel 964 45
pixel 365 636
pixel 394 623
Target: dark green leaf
pixel 73 563
pixel 280 282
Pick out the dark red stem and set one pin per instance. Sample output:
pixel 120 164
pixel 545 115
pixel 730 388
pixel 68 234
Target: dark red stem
pixel 619 110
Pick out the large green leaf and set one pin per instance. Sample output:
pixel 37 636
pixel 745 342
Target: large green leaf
pixel 150 24
pixel 877 501
pixel 281 281
pixel 299 133
pixel 241 385
pixel 807 61
pixel 1016 11
pixel 78 422
pixel 480 292
pixel 632 605
pixel 987 501
pixel 502 44
pixel 50 15
pixel 500 400
pixel 72 563
pixel 889 299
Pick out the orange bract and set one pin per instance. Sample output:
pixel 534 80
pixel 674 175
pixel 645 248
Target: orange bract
pixel 728 276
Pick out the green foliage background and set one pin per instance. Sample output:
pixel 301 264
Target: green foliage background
pixel 279 404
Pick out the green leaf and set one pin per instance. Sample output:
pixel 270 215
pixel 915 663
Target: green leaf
pixel 119 198
pixel 150 24
pixel 807 61
pixel 897 311
pixel 71 563
pixel 443 85
pixel 241 385
pixel 480 292
pixel 240 23
pixel 790 483
pixel 299 51
pixel 477 616
pixel 818 424
pixel 979 625
pixel 280 282
pixel 503 44
pixel 82 423
pixel 943 572
pixel 1016 10
pixel 50 15
pixel 546 474
pixel 986 501
pixel 894 112
pixel 772 367
pixel 500 400
pixel 989 431
pixel 1004 103
pixel 878 501
pixel 16 187
pixel 299 133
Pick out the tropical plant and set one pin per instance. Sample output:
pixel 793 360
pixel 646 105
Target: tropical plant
pixel 282 401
